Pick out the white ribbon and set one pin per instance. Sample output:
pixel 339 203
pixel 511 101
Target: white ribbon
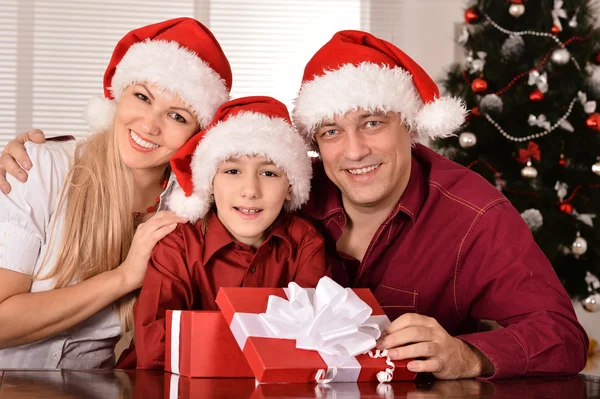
pixel 175 329
pixel 329 319
pixel 538 79
pixel 561 190
pixel 588 106
pixel 539 121
pixel 558 13
pixel 476 65
pixel 174 387
pixel 585 217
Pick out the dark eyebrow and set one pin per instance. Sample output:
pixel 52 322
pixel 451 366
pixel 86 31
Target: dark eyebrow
pixel 147 90
pixel 368 114
pixel 266 161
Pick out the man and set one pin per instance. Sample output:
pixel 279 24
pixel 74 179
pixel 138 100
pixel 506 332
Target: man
pixel 440 248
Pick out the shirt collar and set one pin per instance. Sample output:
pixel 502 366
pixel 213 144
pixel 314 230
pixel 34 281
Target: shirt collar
pixel 218 237
pixel 326 198
pixel 171 185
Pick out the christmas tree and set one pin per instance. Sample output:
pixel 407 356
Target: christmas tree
pixel 531 80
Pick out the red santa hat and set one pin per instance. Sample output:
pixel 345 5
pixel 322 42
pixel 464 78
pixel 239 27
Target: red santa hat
pixel 180 55
pixel 245 126
pixel 357 70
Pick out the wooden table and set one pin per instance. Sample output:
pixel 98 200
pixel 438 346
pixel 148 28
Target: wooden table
pixel 148 385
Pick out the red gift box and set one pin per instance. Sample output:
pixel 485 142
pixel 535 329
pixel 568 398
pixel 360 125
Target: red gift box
pixel 200 344
pixel 278 360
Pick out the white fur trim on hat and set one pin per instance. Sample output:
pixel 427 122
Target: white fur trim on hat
pixel 249 133
pixel 175 69
pixel 187 207
pixel 373 87
pixel 100 113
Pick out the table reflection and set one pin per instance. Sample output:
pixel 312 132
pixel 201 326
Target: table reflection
pixel 149 385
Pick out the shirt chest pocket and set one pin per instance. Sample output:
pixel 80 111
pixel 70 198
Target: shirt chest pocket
pixel 396 301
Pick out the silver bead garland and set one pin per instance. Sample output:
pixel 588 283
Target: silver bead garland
pixel 532 33
pixel 532 136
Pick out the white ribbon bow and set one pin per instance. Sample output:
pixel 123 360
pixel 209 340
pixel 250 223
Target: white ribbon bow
pixel 538 79
pixel 585 217
pixel 539 121
pixel 588 106
pixel 332 322
pixel 561 190
pixel 476 65
pixel 557 13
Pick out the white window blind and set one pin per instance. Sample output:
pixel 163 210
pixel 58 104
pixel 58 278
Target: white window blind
pixel 8 67
pixel 268 42
pixel 54 54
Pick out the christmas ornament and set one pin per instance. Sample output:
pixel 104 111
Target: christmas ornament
pixel 467 139
pixel 565 207
pixel 512 48
pixel 532 151
pixel 597 59
pixel 579 246
pixel 491 103
pixel 516 10
pixel 533 218
pixel 539 121
pixel 562 162
pixel 476 64
pixel 555 29
pixel 536 95
pixel 557 13
pixel 588 106
pixel 596 168
pixel 591 303
pixel 586 218
pixel 479 85
pixel 561 190
pixel 538 79
pixel 471 16
pixel 529 171
pixel 475 111
pixel 566 125
pixel 560 56
pixel 573 21
pixel 593 122
pixel 463 38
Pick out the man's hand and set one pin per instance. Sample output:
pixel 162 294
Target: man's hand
pixel 413 336
pixel 14 158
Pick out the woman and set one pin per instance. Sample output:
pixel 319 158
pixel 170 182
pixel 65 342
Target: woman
pixel 75 240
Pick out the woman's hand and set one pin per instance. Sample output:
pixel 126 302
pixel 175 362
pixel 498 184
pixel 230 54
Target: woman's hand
pixel 14 158
pixel 144 240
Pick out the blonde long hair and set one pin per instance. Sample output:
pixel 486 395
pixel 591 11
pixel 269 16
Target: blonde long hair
pixel 98 227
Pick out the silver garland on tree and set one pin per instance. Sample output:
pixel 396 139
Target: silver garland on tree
pixel 512 48
pixel 533 218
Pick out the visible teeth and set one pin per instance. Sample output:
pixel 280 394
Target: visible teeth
pixel 248 211
pixel 363 170
pixel 141 141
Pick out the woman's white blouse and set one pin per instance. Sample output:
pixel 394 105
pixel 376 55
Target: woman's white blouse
pixel 27 215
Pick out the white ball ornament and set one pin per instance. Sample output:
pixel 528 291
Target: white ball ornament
pixel 516 10
pixel 467 139
pixel 579 246
pixel 560 56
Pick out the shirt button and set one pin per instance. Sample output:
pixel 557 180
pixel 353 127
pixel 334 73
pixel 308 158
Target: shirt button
pixel 238 247
pixel 381 302
pixel 54 355
pixel 252 269
pixel 340 217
